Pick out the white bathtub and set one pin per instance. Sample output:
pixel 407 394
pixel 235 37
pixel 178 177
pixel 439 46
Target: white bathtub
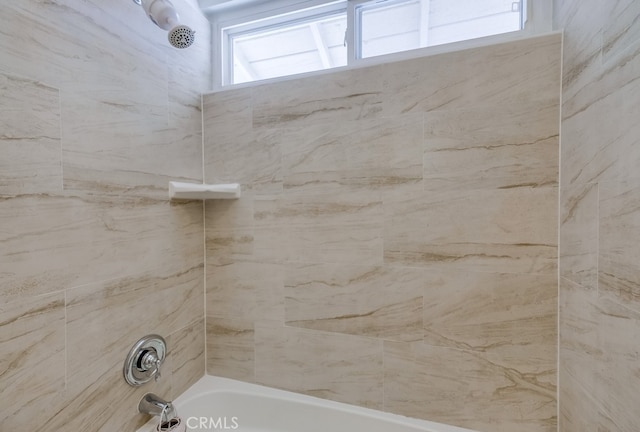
pixel 218 404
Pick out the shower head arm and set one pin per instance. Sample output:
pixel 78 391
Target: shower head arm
pixel 164 15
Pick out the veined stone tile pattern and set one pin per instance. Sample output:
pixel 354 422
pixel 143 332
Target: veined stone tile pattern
pixel 230 348
pixel 186 353
pixel 245 290
pixel 340 96
pixel 30 138
pixel 172 302
pixel 622 32
pixel 405 211
pixel 97 113
pixel 32 340
pixel 481 77
pixel 579 353
pixel 600 216
pixel 501 230
pixel 230 228
pixel 509 319
pixel 465 389
pixel 356 300
pixel 328 365
pixel 332 227
pixel 119 124
pixel 579 234
pixel 504 147
pixel 52 243
pixel 234 151
pixel 618 267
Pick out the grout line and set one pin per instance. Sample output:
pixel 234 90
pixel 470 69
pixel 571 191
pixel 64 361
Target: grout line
pixel 202 134
pixel 384 370
pixel 204 239
pixel 597 276
pixel 66 344
pixel 61 141
pixel 204 281
pixel 559 228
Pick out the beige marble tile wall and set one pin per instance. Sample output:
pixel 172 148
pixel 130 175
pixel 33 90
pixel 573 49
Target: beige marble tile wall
pixel 599 268
pixel 396 243
pixel 97 112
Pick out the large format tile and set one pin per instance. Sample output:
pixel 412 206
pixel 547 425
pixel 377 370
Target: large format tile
pixel 580 354
pixel 186 353
pixel 382 155
pixel 318 148
pixel 510 73
pixel 222 107
pixel 578 411
pixel 621 31
pixel 30 137
pixel 619 375
pixel 582 22
pixel 235 152
pixel 343 227
pixel 116 142
pixel 228 137
pixel 492 148
pixel 618 267
pixel 387 152
pixel 230 348
pixel 116 313
pixel 229 228
pixel 578 249
pixel 376 301
pixel 462 388
pixel 600 105
pixel 511 230
pixel 32 365
pixel 245 291
pixel 52 243
pixel 56 24
pixel 269 230
pixel 603 126
pixel 339 367
pixel 345 95
pixel 85 409
pixel 508 319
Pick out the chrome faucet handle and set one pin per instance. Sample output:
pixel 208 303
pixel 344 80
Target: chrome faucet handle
pixel 144 360
pixel 156 373
pixel 150 362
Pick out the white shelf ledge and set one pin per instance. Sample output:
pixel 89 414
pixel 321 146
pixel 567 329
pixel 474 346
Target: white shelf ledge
pixel 195 191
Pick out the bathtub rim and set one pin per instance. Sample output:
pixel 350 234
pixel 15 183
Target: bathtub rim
pixel 210 384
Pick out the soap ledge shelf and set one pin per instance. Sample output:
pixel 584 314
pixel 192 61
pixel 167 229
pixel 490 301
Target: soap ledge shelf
pixel 196 191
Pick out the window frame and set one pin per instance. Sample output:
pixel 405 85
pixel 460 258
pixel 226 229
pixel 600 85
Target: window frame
pixel 356 7
pixel 292 18
pixel 537 18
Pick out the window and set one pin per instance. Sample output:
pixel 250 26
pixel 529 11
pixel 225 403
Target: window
pixel 308 40
pixel 341 33
pixel 384 27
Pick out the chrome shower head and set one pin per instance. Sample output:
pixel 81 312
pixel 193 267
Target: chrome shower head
pixel 164 15
pixel 181 36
